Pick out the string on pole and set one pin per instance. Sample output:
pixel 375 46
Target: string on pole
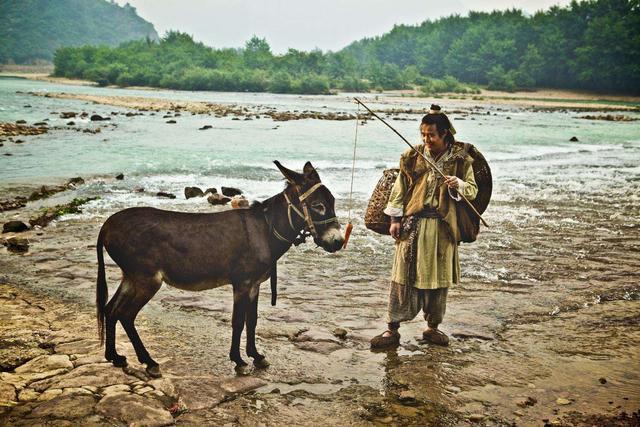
pixel 353 169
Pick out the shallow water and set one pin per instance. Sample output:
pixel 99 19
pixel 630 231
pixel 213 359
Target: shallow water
pixel 554 276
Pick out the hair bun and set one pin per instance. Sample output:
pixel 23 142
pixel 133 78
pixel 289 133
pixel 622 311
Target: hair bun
pixel 435 107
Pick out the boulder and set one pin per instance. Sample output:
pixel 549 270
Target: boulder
pixel 574 139
pixel 165 195
pixel 239 202
pixel 211 190
pixel 98 118
pixel 217 199
pixel 120 176
pixel 17 244
pixel 190 192
pixel 71 123
pixel 21 122
pixel 230 191
pixel 68 114
pixel 14 227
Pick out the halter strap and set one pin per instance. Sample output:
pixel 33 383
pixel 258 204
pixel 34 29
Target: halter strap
pixel 309 191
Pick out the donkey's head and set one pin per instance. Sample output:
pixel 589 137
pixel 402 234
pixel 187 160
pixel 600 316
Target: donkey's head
pixel 315 203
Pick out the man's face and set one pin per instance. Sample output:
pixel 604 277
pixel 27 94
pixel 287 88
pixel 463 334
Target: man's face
pixel 431 138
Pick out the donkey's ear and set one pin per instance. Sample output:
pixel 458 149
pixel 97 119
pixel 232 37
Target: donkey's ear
pixel 310 172
pixel 292 176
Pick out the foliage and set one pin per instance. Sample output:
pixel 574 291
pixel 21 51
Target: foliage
pixel 31 30
pixel 591 44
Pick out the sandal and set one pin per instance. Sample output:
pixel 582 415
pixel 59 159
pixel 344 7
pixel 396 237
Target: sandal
pixel 380 341
pixel 435 336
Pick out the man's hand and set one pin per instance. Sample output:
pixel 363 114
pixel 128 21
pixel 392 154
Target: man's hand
pixel 451 181
pixel 394 230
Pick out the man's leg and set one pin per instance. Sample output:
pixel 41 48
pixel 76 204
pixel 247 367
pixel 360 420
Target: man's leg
pixel 404 304
pixel 434 307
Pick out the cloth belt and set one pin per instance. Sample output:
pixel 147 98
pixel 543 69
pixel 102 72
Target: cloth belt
pixel 428 212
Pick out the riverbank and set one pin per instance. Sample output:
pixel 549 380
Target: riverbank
pixel 540 98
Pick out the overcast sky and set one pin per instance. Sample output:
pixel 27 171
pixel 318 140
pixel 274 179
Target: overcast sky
pixel 304 24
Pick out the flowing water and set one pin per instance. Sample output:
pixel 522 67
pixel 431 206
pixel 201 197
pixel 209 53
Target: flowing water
pixel 549 301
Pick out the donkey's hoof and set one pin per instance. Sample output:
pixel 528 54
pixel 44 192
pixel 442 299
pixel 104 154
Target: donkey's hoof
pixel 154 371
pixel 118 361
pixel 261 362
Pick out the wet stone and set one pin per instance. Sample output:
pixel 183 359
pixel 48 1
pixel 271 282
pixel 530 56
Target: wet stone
pixel 321 347
pixel 242 384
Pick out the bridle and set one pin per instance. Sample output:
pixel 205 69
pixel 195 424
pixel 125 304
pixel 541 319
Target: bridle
pixel 310 223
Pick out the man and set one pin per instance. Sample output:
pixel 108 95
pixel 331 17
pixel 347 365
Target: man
pixel 422 207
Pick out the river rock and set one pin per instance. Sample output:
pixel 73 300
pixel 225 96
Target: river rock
pixel 116 389
pixel 165 195
pixel 574 139
pixel 239 202
pixel 17 244
pixel 75 181
pixel 526 401
pixel 45 363
pixel 242 384
pixel 27 395
pixel 205 127
pixel 67 406
pixel 217 199
pixel 211 190
pixel 321 347
pixel 230 191
pixel 98 118
pixel 171 122
pixel 200 393
pixel 340 333
pixel 21 122
pixel 133 409
pixel 97 375
pixel 190 192
pixel 14 227
pixel 120 176
pixel 7 394
pixel 68 115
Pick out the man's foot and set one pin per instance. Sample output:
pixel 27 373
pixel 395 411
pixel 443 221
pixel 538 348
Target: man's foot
pixel 435 336
pixel 389 338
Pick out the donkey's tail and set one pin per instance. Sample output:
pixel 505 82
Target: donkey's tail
pixel 102 292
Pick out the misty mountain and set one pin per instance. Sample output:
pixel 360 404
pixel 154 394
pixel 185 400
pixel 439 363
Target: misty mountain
pixel 32 30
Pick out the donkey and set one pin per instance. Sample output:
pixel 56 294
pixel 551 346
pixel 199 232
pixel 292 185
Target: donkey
pixel 198 251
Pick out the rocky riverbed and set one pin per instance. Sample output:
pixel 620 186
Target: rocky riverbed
pixel 563 354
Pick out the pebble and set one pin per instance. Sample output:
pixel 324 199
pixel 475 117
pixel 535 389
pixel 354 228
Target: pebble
pixel 563 401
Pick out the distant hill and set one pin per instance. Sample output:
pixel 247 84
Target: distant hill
pixel 31 30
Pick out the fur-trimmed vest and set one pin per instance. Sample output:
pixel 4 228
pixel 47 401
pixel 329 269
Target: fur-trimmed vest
pixel 413 167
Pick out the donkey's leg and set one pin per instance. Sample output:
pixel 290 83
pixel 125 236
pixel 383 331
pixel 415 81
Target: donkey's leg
pixel 252 320
pixel 110 311
pixel 145 289
pixel 240 305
